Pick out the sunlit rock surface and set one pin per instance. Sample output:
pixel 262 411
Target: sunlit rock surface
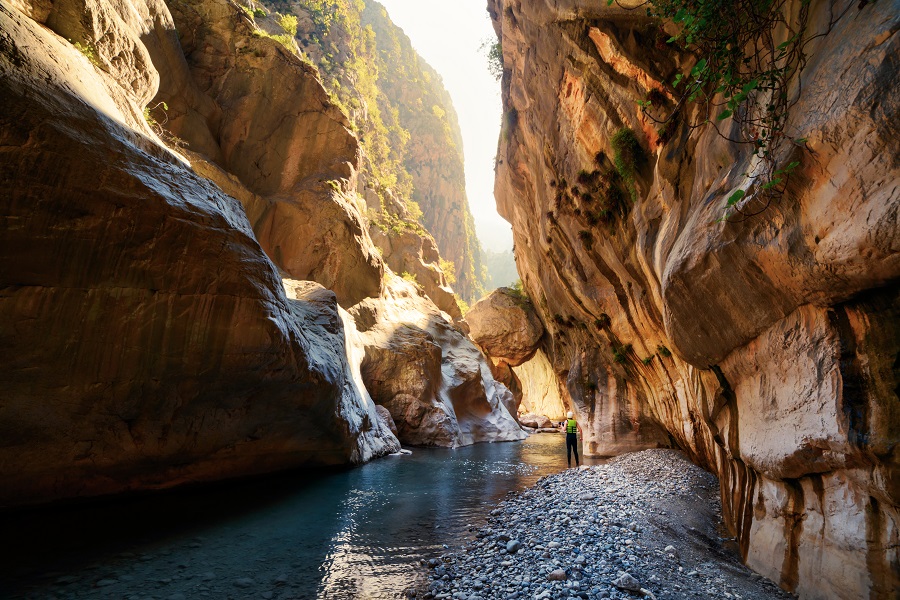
pixel 147 341
pixel 766 348
pixel 541 393
pixel 148 338
pixel 434 381
pixel 506 326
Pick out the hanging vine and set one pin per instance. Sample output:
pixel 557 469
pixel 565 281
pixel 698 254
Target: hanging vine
pixel 743 72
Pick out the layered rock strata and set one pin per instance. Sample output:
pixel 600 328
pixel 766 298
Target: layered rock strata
pixel 765 347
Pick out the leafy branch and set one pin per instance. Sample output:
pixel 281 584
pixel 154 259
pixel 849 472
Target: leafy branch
pixel 748 52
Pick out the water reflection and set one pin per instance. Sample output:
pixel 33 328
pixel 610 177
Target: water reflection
pixel 358 533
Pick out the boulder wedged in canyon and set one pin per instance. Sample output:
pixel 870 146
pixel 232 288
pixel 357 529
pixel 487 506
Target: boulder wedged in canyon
pixel 764 347
pixel 147 340
pixel 505 325
pixel 436 384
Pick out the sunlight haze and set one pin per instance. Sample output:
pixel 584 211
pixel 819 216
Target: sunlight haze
pixel 448 36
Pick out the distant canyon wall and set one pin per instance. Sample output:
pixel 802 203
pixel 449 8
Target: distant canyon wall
pixel 765 346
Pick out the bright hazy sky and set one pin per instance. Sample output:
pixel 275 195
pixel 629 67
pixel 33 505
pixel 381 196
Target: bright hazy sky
pixel 448 34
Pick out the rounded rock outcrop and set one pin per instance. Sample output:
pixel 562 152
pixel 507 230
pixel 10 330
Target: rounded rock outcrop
pixel 505 325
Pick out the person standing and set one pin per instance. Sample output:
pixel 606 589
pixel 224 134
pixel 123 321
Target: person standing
pixel 572 429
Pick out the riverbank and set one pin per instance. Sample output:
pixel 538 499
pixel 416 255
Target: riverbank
pixel 646 524
pixel 352 534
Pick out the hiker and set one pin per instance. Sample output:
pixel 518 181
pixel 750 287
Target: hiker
pixel 572 429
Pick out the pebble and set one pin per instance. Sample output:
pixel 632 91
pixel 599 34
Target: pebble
pixel 243 582
pixel 557 575
pixel 627 582
pixel 589 533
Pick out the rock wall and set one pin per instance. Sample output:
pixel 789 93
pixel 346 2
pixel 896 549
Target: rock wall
pixel 435 152
pixel 147 341
pixel 764 347
pixel 541 393
pixel 161 176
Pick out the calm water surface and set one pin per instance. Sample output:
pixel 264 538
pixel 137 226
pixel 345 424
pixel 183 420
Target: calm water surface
pixel 358 533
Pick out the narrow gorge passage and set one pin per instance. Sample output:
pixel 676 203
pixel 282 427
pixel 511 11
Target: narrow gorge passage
pixel 253 251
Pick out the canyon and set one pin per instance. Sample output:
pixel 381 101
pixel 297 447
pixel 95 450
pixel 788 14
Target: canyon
pixel 237 243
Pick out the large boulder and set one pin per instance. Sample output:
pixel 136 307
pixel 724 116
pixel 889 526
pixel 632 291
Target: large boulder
pixel 505 324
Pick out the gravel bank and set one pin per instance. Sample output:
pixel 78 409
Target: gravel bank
pixel 646 524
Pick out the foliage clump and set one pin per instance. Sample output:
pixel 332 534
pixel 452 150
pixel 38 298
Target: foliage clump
pixel 627 156
pixel 449 270
pixel 494 53
pixel 517 292
pixel 620 353
pixel 748 52
pixel 663 351
pixel 89 51
pixel 288 23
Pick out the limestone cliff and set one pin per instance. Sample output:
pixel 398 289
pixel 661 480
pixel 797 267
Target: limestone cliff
pixel 434 155
pixel 413 156
pixel 164 166
pixel 764 345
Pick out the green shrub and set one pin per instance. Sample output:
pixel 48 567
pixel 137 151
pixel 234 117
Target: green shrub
pixel 89 51
pixel 288 23
pixel 627 156
pixel 449 270
pixel 748 54
pixel 647 359
pixel 587 238
pixel 517 292
pixel 663 351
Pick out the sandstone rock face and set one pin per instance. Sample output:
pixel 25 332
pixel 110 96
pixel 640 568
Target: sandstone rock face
pixel 764 347
pixel 506 326
pixel 541 392
pixel 435 383
pixel 147 340
pixel 247 105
